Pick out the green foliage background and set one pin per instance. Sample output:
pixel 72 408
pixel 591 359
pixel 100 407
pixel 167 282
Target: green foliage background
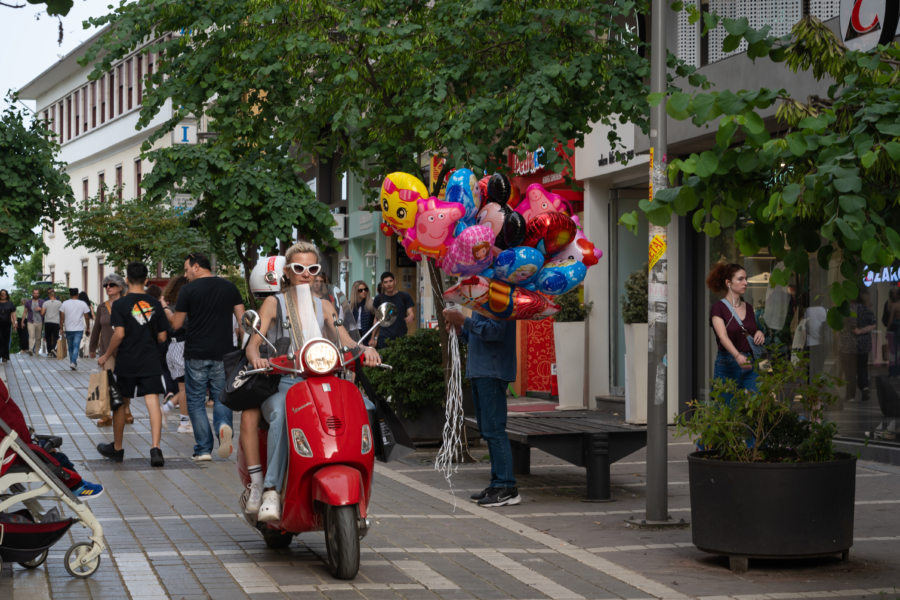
pixel 417 380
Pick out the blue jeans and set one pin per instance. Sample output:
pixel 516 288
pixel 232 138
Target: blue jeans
pixel 198 375
pixel 728 368
pixel 489 398
pixel 73 339
pixel 277 444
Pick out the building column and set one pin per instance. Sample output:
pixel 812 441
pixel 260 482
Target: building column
pixel 597 287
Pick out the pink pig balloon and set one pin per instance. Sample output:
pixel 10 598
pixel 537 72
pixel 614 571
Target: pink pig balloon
pixel 433 231
pixel 538 201
pixel 470 253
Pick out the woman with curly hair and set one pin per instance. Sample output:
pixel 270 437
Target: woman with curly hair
pixel 734 324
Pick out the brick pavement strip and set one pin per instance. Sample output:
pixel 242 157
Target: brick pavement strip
pixel 175 532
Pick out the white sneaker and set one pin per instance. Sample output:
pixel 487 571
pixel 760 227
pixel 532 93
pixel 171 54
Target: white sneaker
pixel 225 434
pixel 205 457
pixel 185 427
pixel 254 498
pixel 167 408
pixel 270 509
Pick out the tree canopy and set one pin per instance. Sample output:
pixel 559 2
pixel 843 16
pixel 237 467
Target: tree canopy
pixel 825 184
pixel 33 183
pixel 375 83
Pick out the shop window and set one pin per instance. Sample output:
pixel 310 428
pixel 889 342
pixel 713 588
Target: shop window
pixel 119 181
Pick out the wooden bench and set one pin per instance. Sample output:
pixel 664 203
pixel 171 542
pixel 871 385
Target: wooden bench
pixel 584 438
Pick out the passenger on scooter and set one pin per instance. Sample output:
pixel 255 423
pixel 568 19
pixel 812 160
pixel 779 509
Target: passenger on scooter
pixel 301 266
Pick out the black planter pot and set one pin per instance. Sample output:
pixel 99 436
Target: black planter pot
pixel 772 510
pixel 427 427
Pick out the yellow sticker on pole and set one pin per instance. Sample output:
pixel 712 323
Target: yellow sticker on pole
pixel 651 175
pixel 656 250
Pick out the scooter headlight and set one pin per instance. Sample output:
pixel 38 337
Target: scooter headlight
pixel 301 444
pixel 366 439
pixel 320 357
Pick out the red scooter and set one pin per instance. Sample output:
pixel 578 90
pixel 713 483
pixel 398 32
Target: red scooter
pixel 328 482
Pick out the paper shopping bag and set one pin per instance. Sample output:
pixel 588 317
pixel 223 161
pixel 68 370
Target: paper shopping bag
pixel 61 348
pixel 98 396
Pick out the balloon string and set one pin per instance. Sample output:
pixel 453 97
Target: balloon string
pixel 446 461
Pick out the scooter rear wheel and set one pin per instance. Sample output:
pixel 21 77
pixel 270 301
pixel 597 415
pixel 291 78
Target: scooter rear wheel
pixel 342 541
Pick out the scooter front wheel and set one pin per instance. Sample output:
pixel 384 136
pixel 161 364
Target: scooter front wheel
pixel 342 541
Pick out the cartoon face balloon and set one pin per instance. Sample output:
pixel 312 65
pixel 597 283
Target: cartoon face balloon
pixel 499 300
pixel 538 201
pixel 518 265
pixel 470 253
pixel 462 187
pixel 433 231
pixel 400 195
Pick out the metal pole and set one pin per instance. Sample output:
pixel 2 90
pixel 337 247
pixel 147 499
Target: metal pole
pixel 657 292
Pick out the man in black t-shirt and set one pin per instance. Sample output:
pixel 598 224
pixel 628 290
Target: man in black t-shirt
pixel 209 304
pixel 138 326
pixel 405 312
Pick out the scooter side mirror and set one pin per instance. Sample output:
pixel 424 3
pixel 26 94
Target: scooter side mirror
pixel 250 323
pixel 385 314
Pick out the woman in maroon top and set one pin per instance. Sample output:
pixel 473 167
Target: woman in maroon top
pixel 732 323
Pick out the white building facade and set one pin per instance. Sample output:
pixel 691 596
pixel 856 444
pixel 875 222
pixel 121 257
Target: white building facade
pixel 96 126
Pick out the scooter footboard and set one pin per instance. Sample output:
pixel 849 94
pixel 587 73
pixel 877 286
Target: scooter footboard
pixel 339 485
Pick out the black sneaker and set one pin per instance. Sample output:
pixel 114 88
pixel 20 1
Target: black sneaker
pixel 479 495
pixel 501 497
pixel 156 458
pixel 865 394
pixel 110 452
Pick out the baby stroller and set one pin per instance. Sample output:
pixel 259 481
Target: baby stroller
pixel 27 534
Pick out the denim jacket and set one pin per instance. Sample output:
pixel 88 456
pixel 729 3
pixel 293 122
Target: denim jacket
pixel 492 348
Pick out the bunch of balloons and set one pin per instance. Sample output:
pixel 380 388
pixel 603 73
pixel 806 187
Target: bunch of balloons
pixel 512 260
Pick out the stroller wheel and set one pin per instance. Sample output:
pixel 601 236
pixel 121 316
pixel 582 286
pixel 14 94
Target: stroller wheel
pixel 36 561
pixel 73 560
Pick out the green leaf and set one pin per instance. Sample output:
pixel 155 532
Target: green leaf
pixel 817 123
pixel 868 159
pixel 837 293
pixel 791 192
pixel 630 221
pixel 835 319
pixel 712 229
pixel 686 200
pixel 870 250
pixel 731 43
pixel 889 127
pixel 796 143
pixel 851 203
pixel 707 163
pixel 677 105
pixel 655 98
pixel 848 183
pixel 893 150
pixel 851 290
pixel 747 161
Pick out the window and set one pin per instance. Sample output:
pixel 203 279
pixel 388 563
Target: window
pixel 53 274
pixel 140 78
pixel 149 67
pixel 52 228
pixel 100 183
pixel 101 273
pixel 68 283
pixel 47 117
pixel 93 104
pixel 119 100
pixel 128 67
pixel 119 181
pixel 77 113
pixel 61 120
pixel 84 107
pixel 102 99
pixel 84 189
pixel 112 94
pixel 84 275
pixel 69 117
pixel 137 178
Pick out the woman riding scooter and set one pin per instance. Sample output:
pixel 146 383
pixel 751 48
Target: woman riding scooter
pixel 301 266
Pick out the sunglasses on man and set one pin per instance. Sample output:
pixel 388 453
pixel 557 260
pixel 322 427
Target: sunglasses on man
pixel 299 269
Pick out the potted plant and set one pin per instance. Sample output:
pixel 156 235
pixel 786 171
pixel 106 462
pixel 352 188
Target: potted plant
pixel 569 343
pixel 634 316
pixel 768 482
pixel 415 387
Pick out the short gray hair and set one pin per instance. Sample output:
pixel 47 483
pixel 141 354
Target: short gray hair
pixel 115 279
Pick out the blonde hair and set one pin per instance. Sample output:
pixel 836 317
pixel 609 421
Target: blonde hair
pixel 301 247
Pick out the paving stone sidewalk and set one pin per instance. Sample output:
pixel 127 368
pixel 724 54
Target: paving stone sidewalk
pixel 176 532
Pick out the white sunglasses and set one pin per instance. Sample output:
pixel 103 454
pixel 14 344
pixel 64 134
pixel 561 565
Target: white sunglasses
pixel 299 269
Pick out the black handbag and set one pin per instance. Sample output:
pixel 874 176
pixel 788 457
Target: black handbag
pixel 245 391
pixel 115 396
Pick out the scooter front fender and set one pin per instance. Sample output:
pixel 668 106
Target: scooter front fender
pixel 339 485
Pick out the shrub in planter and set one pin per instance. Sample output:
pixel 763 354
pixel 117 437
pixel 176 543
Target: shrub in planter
pixel 417 380
pixel 769 483
pixel 571 308
pixel 634 302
